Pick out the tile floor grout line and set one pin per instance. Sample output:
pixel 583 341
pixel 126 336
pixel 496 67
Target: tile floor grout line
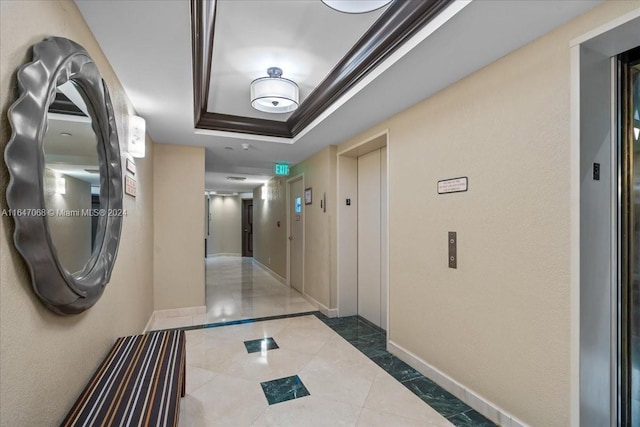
pixel 261 413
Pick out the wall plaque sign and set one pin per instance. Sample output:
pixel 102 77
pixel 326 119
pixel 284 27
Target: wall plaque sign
pixel 453 185
pixel 130 186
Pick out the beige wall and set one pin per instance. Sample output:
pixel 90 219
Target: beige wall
pixel 178 226
pixel 71 235
pixel 46 359
pixel 319 173
pixel 499 324
pixel 226 225
pixel 269 239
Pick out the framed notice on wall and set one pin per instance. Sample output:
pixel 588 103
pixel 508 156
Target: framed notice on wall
pixel 129 186
pixel 453 185
pixel 131 167
pixel 307 196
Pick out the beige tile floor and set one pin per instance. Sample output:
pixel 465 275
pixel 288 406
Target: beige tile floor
pixel 238 288
pixel 223 380
pixel 346 388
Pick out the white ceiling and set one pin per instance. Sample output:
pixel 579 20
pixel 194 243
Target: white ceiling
pixel 148 43
pixel 251 36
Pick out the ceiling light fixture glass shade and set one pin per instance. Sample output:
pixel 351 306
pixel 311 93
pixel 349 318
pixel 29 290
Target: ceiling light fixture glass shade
pixel 274 94
pixel 356 6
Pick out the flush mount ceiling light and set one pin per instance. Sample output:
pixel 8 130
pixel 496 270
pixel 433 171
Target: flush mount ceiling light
pixel 274 94
pixel 356 6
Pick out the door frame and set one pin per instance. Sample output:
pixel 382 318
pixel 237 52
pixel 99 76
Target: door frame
pixel 244 238
pixel 594 306
pixel 347 221
pixel 299 177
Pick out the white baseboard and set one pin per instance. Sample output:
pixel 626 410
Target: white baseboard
pixel 223 254
pixel 273 274
pixel 152 319
pixel 200 310
pixel 329 312
pixel 480 404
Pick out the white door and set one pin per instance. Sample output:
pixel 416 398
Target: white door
pixel 371 243
pixel 296 231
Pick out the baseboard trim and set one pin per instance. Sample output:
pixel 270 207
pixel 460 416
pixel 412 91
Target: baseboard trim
pixel 329 312
pixel 200 310
pixel 152 319
pixel 477 402
pixel 272 273
pixel 223 254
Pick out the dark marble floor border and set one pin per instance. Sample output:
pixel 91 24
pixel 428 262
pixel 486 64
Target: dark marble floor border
pixel 371 340
pixel 240 321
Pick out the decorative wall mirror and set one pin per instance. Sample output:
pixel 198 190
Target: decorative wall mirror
pixel 65 191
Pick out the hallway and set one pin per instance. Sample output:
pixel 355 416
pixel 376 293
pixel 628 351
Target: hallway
pixel 299 369
pixel 238 288
pixel 427 215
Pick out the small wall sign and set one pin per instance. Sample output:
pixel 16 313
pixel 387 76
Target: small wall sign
pixel 308 196
pixel 129 186
pixel 453 185
pixel 131 167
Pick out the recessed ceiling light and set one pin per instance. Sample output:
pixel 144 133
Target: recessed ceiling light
pixel 356 6
pixel 236 178
pixel 65 134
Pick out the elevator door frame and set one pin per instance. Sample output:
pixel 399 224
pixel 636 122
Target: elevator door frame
pixel 347 245
pixel 593 229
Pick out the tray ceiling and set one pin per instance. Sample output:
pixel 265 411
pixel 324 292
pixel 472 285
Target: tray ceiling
pixel 151 50
pixel 306 39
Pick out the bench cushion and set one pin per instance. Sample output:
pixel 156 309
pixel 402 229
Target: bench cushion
pixel 138 384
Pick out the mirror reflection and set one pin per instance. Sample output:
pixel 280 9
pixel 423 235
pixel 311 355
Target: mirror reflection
pixel 71 178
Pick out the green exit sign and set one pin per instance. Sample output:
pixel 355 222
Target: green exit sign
pixel 281 169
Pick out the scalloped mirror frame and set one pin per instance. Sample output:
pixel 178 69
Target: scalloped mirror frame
pixel 57 60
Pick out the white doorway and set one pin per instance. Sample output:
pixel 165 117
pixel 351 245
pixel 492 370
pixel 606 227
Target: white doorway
pixel 363 231
pixel 296 233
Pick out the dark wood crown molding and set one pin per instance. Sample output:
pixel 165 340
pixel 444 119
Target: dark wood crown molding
pixel 402 20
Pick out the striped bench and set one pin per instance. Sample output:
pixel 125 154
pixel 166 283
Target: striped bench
pixel 139 383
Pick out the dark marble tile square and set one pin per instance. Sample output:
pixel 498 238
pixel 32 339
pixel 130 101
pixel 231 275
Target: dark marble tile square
pixel 435 396
pixel 396 367
pixel 471 419
pixel 284 389
pixel 255 346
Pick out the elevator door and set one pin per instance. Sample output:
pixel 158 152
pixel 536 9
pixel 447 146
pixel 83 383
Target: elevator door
pixel 372 283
